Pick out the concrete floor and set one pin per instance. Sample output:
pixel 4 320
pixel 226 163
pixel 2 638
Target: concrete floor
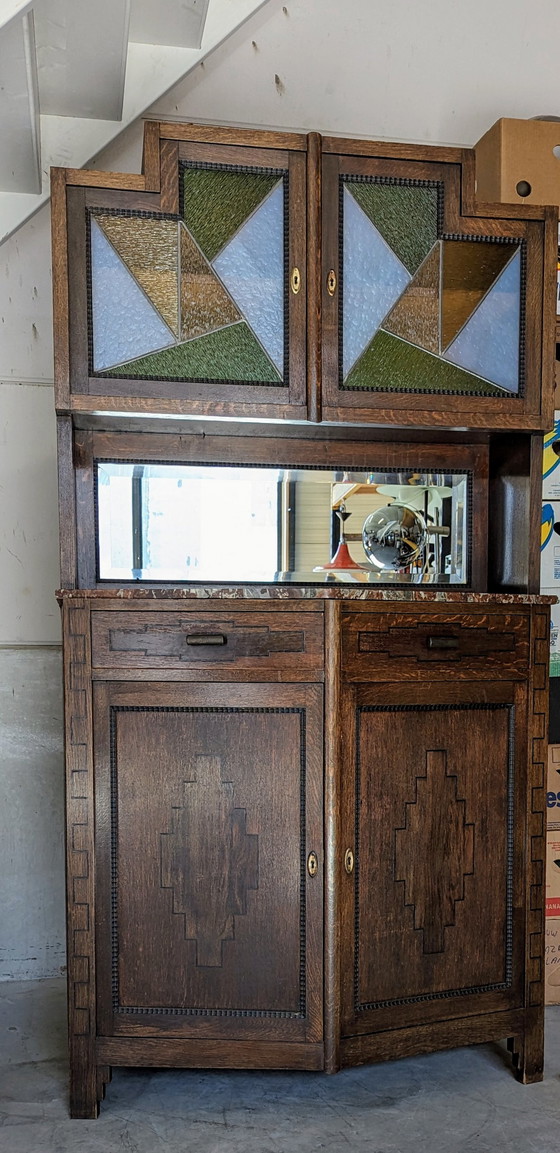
pixel 466 1101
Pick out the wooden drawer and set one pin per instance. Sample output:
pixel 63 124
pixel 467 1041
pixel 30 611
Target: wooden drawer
pixel 264 641
pixel 427 645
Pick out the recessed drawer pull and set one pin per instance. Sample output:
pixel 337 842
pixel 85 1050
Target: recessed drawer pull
pixel 443 642
pixel 207 639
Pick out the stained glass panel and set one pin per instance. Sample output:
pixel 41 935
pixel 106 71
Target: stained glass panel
pixel 205 304
pixel 217 201
pixel 405 215
pixel 149 249
pixel 373 279
pixel 252 268
pixel 392 364
pixel 488 344
pixel 124 323
pixel 416 314
pixel 469 267
pixel 232 354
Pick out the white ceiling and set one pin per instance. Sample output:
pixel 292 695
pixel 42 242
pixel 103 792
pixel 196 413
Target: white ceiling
pixel 73 74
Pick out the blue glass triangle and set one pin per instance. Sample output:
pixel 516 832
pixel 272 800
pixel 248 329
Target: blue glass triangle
pixel 373 280
pixel 125 325
pixel 252 268
pixel 488 344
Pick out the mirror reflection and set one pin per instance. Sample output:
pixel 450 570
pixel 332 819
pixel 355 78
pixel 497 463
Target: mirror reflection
pixel 258 524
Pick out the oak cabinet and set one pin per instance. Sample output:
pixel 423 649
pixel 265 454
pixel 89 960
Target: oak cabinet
pixel 289 857
pixel 281 276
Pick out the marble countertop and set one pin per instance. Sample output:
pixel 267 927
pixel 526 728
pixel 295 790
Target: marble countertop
pixel 306 592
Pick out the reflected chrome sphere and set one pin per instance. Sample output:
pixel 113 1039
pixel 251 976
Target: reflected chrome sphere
pixel 394 537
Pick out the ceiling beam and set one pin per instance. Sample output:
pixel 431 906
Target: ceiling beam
pixel 81 57
pixel 178 22
pixel 20 147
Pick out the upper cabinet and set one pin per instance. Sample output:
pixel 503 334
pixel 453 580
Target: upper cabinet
pixel 255 274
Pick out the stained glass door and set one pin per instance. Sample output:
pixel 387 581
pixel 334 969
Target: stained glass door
pixel 424 310
pixel 202 303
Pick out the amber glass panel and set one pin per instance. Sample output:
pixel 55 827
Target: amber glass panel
pixel 469 268
pixel 205 303
pixel 149 249
pixel 415 316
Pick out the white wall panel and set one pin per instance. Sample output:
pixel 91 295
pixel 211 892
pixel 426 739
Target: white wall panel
pixel 32 933
pixel 26 349
pixel 29 567
pixel 430 71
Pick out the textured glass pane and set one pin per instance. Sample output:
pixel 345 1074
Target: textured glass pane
pixel 469 267
pixel 252 268
pixel 216 202
pixel 373 279
pixel 489 342
pixel 415 316
pixel 124 323
pixel 406 217
pixel 390 363
pixel 205 304
pixel 149 249
pixel 232 354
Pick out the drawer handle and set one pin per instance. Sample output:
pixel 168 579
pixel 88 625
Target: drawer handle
pixel 207 639
pixel 443 642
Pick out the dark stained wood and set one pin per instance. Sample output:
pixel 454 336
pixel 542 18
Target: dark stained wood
pixel 452 1034
pixel 169 177
pixel 266 641
pixel 66 503
pixel 245 137
pixel 178 1054
pixel 150 156
pixel 122 181
pixel 60 288
pixel 313 287
pixel 435 928
pixel 200 768
pixel 334 848
pixel 466 646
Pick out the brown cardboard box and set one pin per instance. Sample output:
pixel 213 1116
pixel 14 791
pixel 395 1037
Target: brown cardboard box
pixel 552 885
pixel 552 961
pixel 519 150
pixel 553 788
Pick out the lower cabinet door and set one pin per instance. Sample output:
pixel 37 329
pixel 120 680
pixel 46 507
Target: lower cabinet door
pixel 209 891
pixel 434 784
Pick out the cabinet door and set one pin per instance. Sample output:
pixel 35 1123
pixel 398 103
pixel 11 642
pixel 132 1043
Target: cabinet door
pixel 208 806
pixel 185 299
pixel 434 812
pixel 430 310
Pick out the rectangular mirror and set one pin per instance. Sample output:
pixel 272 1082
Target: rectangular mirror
pixel 234 524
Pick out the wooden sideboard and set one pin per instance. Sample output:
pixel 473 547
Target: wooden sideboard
pixel 315 844
pixel 305 809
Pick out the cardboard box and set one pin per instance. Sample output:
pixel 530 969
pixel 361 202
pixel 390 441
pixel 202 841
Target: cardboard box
pixel 550 546
pixel 552 883
pixel 554 666
pixel 553 788
pixel 551 463
pixel 515 153
pixel 552 961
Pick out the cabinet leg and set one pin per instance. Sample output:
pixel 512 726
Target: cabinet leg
pixel 104 1074
pixel 527 1052
pixel 86 1086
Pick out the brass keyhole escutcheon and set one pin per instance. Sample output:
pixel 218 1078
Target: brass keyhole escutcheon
pixel 295 281
pixel 312 864
pixel 349 861
pixel 331 282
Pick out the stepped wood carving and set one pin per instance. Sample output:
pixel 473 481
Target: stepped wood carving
pixel 434 851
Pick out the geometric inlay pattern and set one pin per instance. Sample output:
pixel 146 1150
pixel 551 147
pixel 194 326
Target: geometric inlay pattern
pixel 209 861
pixel 208 288
pixel 463 305
pixel 434 852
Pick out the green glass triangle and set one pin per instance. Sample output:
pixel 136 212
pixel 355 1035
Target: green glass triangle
pixel 232 354
pixel 392 365
pixel 406 217
pixel 216 202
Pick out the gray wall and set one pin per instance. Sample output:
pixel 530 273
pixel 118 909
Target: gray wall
pixel 430 71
